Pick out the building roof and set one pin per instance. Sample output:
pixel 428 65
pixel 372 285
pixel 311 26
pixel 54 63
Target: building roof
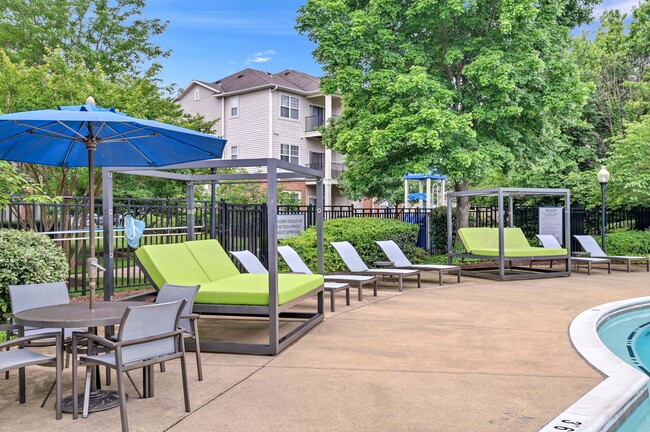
pixel 249 79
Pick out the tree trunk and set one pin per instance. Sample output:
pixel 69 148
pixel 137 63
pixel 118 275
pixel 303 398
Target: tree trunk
pixel 462 205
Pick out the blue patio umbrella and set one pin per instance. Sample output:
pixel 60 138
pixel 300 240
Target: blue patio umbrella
pixel 90 136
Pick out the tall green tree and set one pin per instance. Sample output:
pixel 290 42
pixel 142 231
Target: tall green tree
pixel 114 34
pixel 462 87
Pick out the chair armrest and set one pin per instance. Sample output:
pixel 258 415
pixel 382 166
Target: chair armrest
pixel 148 339
pixel 24 339
pixel 191 316
pixel 96 339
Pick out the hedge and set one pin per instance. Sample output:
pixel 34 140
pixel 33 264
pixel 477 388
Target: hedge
pixel 28 257
pixel 627 243
pixel 360 232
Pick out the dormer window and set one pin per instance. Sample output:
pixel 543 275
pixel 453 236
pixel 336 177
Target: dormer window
pixel 234 106
pixel 197 94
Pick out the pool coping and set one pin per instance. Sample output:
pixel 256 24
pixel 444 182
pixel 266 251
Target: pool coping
pixel 611 402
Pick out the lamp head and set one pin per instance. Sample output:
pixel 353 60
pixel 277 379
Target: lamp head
pixel 603 175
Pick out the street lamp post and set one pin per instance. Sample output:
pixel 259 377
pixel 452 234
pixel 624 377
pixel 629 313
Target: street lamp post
pixel 603 178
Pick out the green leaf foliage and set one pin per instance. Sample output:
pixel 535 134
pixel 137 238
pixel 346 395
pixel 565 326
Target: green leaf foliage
pixel 462 87
pixel 361 233
pixel 28 257
pixel 635 243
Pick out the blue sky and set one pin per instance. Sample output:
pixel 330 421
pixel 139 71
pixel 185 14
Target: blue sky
pixel 212 39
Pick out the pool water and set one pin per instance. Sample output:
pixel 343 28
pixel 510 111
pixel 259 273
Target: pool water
pixel 628 336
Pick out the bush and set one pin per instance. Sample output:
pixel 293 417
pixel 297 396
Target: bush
pixel 627 243
pixel 360 232
pixel 28 257
pixel 438 227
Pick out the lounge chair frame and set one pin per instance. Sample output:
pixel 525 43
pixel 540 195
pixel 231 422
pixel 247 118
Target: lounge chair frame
pixel 505 269
pixel 272 171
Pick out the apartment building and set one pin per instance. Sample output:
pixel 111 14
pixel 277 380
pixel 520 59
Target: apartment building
pixel 272 115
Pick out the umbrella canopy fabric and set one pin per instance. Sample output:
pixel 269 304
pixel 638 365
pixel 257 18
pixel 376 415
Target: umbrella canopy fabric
pixel 57 138
pixel 89 136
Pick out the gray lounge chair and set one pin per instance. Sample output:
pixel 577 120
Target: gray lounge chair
pixel 148 335
pixel 355 264
pixel 189 321
pixel 253 265
pixel 20 358
pixel 591 247
pixel 549 241
pixel 395 254
pixel 297 265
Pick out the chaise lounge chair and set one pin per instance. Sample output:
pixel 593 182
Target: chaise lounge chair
pixel 591 247
pixel 297 265
pixel 549 241
pixel 355 264
pixel 395 254
pixel 253 265
pixel 226 291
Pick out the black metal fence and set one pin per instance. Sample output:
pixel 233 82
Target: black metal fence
pixel 243 226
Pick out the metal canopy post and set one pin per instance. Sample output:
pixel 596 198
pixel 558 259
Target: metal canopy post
pixel 450 227
pixel 501 239
pixel 190 211
pixel 272 220
pixel 319 225
pixel 107 211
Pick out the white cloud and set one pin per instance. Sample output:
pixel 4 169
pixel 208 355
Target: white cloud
pixel 260 57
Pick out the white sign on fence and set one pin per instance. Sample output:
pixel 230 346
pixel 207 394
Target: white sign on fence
pixel 550 222
pixel 290 225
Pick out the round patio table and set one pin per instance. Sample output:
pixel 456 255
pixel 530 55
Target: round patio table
pixel 73 315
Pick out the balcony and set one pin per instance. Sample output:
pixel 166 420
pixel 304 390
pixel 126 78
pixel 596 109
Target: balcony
pixel 312 123
pixel 337 168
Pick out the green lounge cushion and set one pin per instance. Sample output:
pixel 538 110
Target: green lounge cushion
pixel 212 258
pixel 521 252
pixel 513 238
pixel 485 242
pixel 253 289
pixel 477 238
pixel 171 263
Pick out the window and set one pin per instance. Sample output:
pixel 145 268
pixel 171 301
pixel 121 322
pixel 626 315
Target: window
pixel 234 106
pixel 289 107
pixel 234 152
pixel 290 153
pixel 197 95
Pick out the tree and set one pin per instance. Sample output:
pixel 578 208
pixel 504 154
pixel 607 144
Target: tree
pixel 113 34
pixel 465 88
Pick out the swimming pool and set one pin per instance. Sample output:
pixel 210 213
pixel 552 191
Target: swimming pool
pixel 628 336
pixel 612 404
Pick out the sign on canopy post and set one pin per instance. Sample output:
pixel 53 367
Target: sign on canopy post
pixel 550 222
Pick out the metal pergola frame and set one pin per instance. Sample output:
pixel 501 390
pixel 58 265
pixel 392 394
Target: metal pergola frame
pixel 514 271
pixel 275 170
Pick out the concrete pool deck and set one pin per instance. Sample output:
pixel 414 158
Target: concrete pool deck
pixel 476 356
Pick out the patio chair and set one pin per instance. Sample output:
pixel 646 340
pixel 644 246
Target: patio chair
pixel 148 335
pixel 395 254
pixel 297 265
pixel 549 241
pixel 189 321
pixel 30 296
pixel 591 247
pixel 22 357
pixel 355 264
pixel 253 265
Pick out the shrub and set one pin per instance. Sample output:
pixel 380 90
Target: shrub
pixel 28 257
pixel 360 232
pixel 438 227
pixel 627 243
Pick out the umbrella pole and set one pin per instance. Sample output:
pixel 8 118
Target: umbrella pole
pixel 92 261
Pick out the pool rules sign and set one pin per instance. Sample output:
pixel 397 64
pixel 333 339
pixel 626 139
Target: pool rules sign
pixel 290 225
pixel 550 222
